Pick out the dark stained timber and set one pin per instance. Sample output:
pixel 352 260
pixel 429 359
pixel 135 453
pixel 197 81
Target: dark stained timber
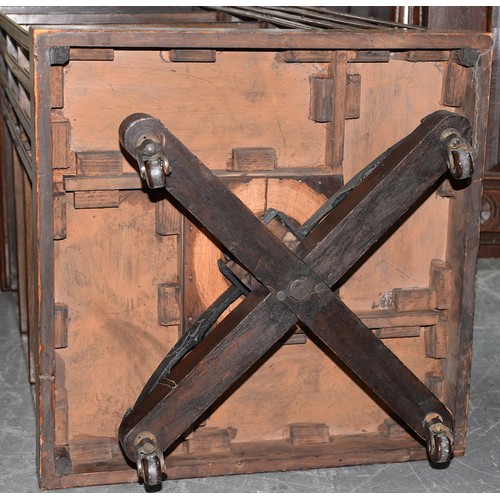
pixel 294 290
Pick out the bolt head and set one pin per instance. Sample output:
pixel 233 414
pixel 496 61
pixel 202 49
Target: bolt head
pixel 300 289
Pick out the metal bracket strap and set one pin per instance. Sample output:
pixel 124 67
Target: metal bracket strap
pixel 295 285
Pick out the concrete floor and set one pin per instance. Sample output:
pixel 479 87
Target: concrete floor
pixel 477 471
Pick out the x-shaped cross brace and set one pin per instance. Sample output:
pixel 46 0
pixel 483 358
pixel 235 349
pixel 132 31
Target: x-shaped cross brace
pixel 292 285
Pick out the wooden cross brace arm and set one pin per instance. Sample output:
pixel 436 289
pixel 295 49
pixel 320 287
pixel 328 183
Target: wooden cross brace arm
pixel 294 285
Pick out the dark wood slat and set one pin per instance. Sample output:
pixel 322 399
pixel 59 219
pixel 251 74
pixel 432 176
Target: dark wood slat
pixel 239 25
pixel 21 115
pixel 269 39
pixel 100 10
pixel 78 54
pixel 337 21
pixel 262 16
pixel 18 71
pixel 281 173
pixel 21 242
pixel 43 265
pixel 13 29
pixel 20 148
pixel 358 20
pixel 8 246
pixel 133 181
pixel 111 18
pixel 100 183
pixel 308 20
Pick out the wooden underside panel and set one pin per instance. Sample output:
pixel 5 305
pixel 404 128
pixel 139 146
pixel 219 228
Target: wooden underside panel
pixel 394 98
pixel 300 383
pixel 123 269
pixel 244 99
pixel 107 273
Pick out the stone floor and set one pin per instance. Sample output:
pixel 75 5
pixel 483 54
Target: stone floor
pixel 477 471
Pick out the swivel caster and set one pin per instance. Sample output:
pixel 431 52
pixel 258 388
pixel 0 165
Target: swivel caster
pixel 150 464
pixel 439 439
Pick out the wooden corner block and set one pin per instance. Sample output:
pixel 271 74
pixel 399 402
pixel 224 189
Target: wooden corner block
pixel 253 159
pixel 353 97
pixel 306 56
pixel 97 199
pixel 398 332
pixel 91 449
pixel 208 440
pixel 94 54
pixel 99 163
pixel 169 304
pixel 57 87
pixel 466 57
pixel 441 282
pixel 388 318
pixel 59 212
pixel 413 299
pixel 61 416
pixel 309 433
pixel 62 460
pixel 360 56
pixel 60 133
pixel 168 218
pixel 321 98
pixel 427 55
pixel 455 84
pixel 436 384
pixel 60 326
pixel 60 403
pixel 193 55
pixel 436 340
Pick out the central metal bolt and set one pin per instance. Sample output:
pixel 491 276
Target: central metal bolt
pixel 300 289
